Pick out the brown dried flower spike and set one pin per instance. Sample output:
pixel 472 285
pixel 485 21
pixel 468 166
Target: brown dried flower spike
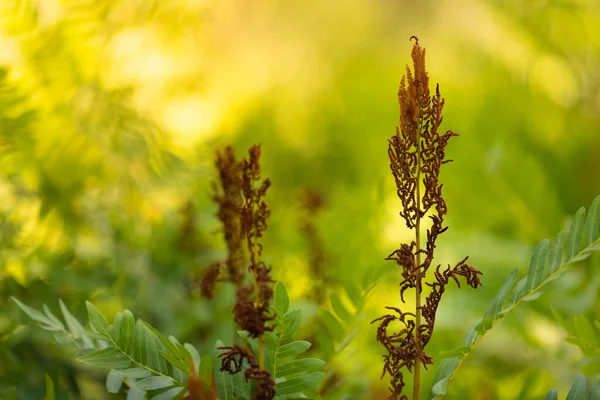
pixel 416 155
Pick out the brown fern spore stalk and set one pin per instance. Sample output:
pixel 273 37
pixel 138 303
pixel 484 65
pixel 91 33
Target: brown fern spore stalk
pixel 416 153
pixel 247 208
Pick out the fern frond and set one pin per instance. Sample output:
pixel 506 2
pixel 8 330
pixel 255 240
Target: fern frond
pixel 547 264
pixel 131 350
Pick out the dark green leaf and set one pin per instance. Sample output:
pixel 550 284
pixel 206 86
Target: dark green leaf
pixel 574 235
pixel 140 347
pixel 49 389
pixel 552 395
pixel 471 334
pixel 595 392
pixel 443 374
pixel 291 323
pixel 114 382
pixel 56 322
pixel 134 373
pixel 535 274
pixel 194 356
pixel 282 301
pixel 298 384
pixel 134 394
pixel 33 314
pixel 578 390
pixel 292 349
pixel 299 366
pixel 109 358
pixel 153 383
pixel 517 293
pixel 97 320
pixel 498 301
pixel 555 256
pixel 169 394
pixel 126 337
pixel 592 223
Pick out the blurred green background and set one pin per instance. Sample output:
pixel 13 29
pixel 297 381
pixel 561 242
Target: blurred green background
pixel 110 113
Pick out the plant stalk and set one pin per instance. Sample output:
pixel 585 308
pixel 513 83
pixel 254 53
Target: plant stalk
pixel 417 374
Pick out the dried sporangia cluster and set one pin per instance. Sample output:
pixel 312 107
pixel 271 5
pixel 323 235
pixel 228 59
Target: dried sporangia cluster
pixel 416 154
pixel 232 362
pixel 243 213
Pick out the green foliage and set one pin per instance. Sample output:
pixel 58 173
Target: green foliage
pixel 543 268
pixel 295 377
pixel 136 354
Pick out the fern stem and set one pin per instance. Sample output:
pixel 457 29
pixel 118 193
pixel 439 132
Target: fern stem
pixel 417 375
pixel 576 258
pixel 261 353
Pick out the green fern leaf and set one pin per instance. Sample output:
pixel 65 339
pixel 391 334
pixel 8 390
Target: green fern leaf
pixel 574 235
pixel 108 358
pixel 295 385
pixel 595 392
pixel 552 395
pixel 495 306
pixel 292 349
pixel 97 320
pixel 528 288
pixel 592 223
pixel 578 390
pixel 169 394
pixel 555 256
pixel 299 366
pixel 536 271
pixel 114 382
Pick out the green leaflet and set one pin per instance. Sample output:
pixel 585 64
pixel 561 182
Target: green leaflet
pixel 442 376
pixel 282 301
pixel 292 349
pixel 153 383
pixel 114 382
pixel 107 358
pixel 574 235
pixel 555 256
pixel 169 394
pixel 578 391
pixel 298 384
pixel 129 349
pixel 498 301
pixel 592 223
pixel 50 395
pixel 299 366
pixel 97 320
pixel 540 272
pixel 552 395
pixel 595 392
pixel 535 274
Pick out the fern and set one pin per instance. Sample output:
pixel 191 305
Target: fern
pixel 134 353
pixel 578 391
pixel 547 264
pixel 295 378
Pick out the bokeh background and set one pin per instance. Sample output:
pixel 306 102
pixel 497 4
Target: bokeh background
pixel 111 111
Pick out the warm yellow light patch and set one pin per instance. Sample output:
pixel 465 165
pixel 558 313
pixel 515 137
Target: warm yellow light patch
pixel 191 118
pixel 555 78
pixel 16 269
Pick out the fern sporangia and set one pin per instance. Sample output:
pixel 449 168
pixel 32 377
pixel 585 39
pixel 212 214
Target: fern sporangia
pixel 416 154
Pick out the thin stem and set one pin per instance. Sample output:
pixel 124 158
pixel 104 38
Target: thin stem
pixel 261 353
pixel 417 375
